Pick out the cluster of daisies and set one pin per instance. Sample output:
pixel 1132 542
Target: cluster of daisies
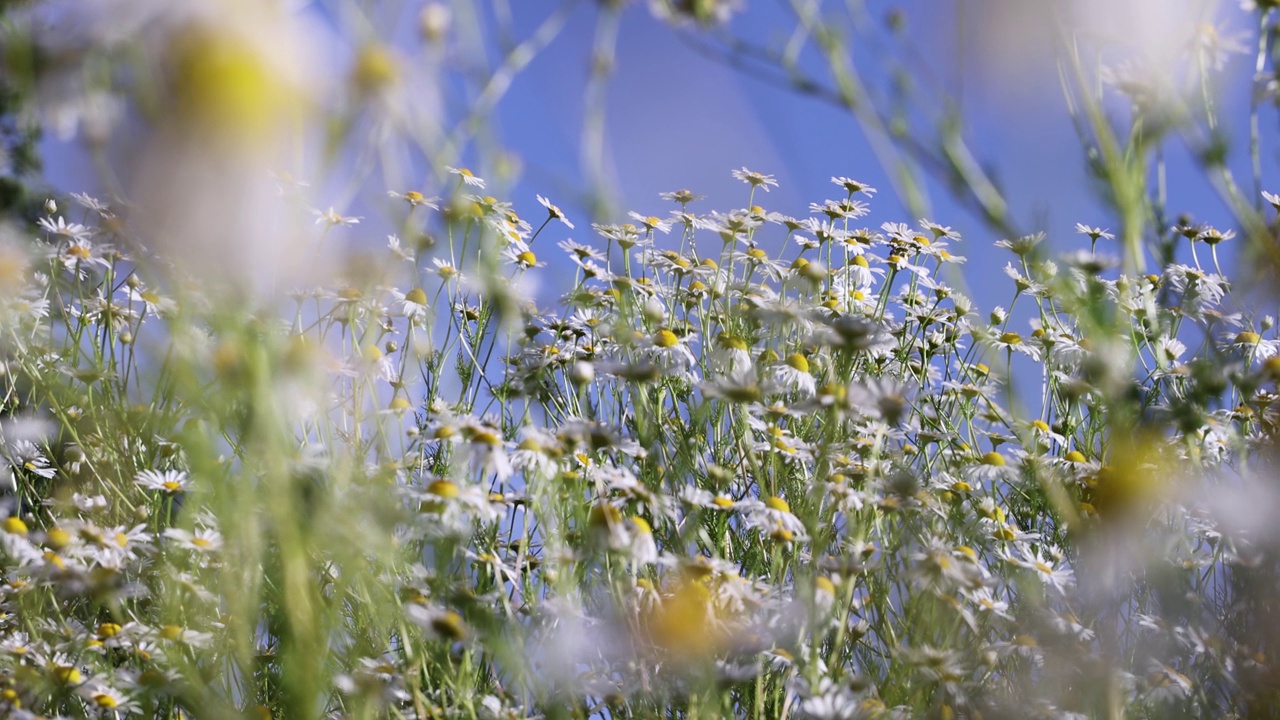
pixel 746 464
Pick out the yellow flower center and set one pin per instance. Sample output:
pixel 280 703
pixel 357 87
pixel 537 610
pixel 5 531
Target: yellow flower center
pixel 777 503
pixel 443 488
pixel 994 459
pixel 799 362
pixel 665 339
pixel 1011 338
pixel 416 296
pixel 57 538
pixel 15 526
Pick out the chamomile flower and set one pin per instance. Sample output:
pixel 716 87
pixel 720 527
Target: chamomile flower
pixel 1050 571
pixel 80 256
pixel 1094 233
pixel 1014 342
pixel 203 540
pixel 74 232
pixel 643 549
pixel 332 218
pixel 555 212
pixel 398 250
pixel 774 518
pixel 89 202
pixel 1253 345
pixel 415 199
pixel 668 349
pixel 170 482
pixel 755 179
pixel 445 269
pixel 651 222
pixel 467 177
pixel 684 197
pixel 580 253
pixel 521 256
pixel 412 304
pixel 792 375
pixel 853 186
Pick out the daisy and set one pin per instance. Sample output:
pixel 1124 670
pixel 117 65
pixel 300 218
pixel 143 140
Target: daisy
pixel 415 199
pixel 203 540
pixel 1094 233
pixel 1022 246
pixel 1013 342
pixel 668 349
pixel 792 375
pixel 732 354
pixel 106 701
pixel 1023 284
pixel 755 179
pixel 393 244
pixel 1048 570
pixel 535 455
pixel 467 177
pixel 75 231
pixel 554 211
pixel 580 253
pixel 987 602
pixel 1165 683
pixel 170 482
pixel 853 186
pixel 92 203
pixel 450 506
pixel 445 269
pixel 332 217
pixel 79 255
pixel 651 222
pixel 521 256
pixel 684 197
pixel 627 236
pixel 153 303
pixel 1253 345
pixel 484 450
pixel 412 304
pixel 992 468
pixel 183 636
pixel 643 549
pixel 774 517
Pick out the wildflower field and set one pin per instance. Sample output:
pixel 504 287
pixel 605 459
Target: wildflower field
pixel 277 443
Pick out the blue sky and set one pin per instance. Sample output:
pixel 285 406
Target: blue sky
pixel 676 118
